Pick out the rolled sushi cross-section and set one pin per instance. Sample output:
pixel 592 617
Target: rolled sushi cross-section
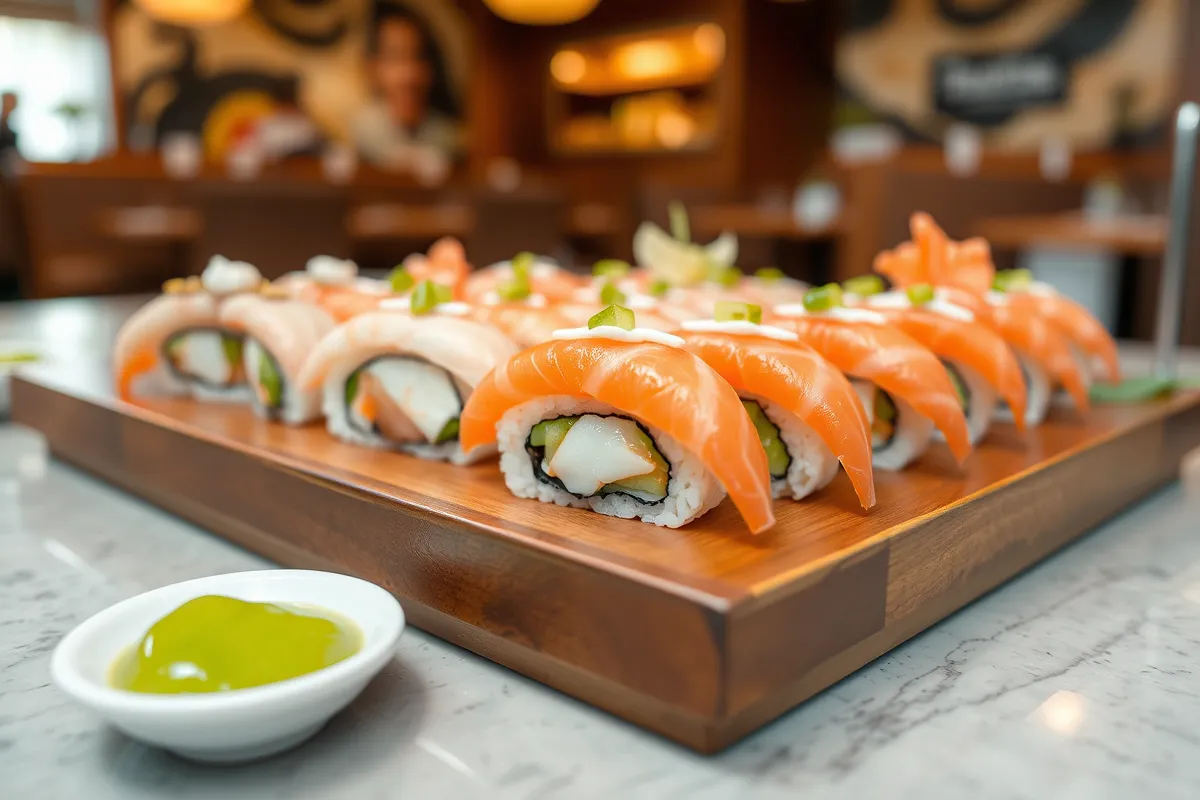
pixel 396 381
pixel 601 420
pixel 279 335
pixel 176 344
pixel 910 384
pixel 805 412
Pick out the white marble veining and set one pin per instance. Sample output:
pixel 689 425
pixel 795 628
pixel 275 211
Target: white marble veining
pixel 1077 681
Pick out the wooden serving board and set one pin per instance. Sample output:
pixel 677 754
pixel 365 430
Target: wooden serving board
pixel 702 634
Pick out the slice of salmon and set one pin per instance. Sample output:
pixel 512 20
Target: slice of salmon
pixel 796 378
pixel 1034 336
pixel 664 387
pixel 1079 326
pixel 894 361
pixel 972 343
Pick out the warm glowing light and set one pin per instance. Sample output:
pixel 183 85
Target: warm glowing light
pixel 1062 712
pixel 650 58
pixel 674 129
pixel 709 41
pixel 194 13
pixel 541 12
pixel 568 66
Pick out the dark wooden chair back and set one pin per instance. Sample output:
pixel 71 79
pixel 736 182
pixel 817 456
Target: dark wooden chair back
pixel 508 223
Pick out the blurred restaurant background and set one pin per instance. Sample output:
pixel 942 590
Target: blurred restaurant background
pixel 141 137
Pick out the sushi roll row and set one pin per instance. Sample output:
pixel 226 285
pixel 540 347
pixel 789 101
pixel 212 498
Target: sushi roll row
pixel 646 392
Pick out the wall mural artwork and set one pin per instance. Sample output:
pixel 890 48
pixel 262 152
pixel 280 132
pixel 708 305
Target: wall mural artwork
pixel 292 77
pixel 1090 73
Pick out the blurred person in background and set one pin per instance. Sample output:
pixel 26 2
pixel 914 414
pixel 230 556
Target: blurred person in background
pixel 411 124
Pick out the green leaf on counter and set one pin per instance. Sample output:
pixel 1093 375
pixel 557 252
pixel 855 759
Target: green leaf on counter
pixel 1138 390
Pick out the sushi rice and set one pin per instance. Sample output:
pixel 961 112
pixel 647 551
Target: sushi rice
pixel 1039 392
pixel 691 491
pixel 813 465
pixel 982 401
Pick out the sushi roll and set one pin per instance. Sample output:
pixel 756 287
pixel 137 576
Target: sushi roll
pixel 979 362
pixel 910 392
pixel 544 276
pixel 445 264
pixel 279 334
pixel 624 421
pixel 1044 354
pixel 334 285
pixel 176 344
pixel 1091 344
pixel 962 273
pixel 398 381
pixel 806 413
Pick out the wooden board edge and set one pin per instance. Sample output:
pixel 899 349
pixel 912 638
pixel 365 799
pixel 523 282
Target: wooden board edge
pixel 796 673
pixel 630 672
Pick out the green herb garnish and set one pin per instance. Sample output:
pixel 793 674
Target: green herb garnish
pixel 428 295
pixel 724 274
pixel 731 311
pixel 614 315
pixel 823 298
pixel 680 228
pixel 1012 280
pixel 864 285
pixel 769 274
pixel 610 268
pixel 401 279
pixel 522 265
pixel 19 358
pixel 1138 390
pixel 919 293
pixel 659 288
pixel 610 295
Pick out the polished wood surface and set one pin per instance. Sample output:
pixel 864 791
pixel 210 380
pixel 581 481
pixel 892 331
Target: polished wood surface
pixel 701 634
pixel 1141 235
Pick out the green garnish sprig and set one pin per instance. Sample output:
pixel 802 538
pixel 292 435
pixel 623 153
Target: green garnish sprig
pixel 615 316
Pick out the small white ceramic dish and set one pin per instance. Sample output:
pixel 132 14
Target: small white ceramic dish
pixel 240 725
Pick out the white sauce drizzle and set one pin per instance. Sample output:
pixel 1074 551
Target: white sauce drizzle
pixel 223 276
pixel 619 335
pixel 840 313
pixel 950 310
pixel 938 305
pixel 492 298
pixel 740 327
pixel 1042 289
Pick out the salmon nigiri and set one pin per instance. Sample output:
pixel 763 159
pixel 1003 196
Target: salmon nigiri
pixel 1095 347
pixel 393 380
pixel 978 360
pixel 807 414
pixel 622 420
pixel 1044 353
pixel 177 344
pixel 963 273
pixel 910 391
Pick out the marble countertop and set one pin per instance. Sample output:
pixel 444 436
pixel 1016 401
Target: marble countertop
pixel 1078 679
